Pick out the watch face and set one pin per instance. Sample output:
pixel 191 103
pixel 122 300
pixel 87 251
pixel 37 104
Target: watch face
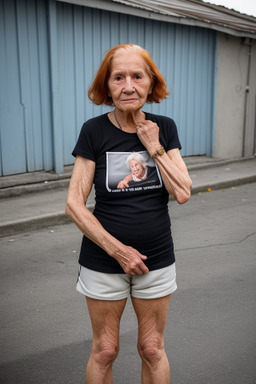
pixel 160 151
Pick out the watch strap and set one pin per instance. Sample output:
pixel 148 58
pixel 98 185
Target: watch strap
pixel 159 152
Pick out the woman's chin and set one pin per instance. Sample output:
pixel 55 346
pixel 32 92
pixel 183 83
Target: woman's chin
pixel 130 107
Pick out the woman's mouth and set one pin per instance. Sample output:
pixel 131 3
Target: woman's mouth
pixel 129 100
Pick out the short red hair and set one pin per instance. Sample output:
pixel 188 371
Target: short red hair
pixel 98 91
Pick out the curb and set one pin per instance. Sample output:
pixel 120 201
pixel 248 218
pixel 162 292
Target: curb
pixel 48 181
pixel 223 184
pixel 59 218
pixel 20 190
pixel 33 224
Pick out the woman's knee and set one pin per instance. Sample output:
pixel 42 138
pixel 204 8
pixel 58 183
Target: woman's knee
pixel 151 349
pixel 105 352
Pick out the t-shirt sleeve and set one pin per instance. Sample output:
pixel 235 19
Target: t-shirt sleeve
pixel 85 145
pixel 172 137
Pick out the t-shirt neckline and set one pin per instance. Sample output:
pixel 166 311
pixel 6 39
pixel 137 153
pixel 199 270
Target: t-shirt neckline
pixel 120 130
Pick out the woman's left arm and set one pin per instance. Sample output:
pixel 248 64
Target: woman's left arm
pixel 175 175
pixel 171 165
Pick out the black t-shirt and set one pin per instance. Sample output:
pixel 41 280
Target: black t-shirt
pixel 138 215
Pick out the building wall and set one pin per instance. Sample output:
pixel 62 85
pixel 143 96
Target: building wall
pixel 250 104
pixel 49 52
pixel 25 101
pixel 184 55
pixel 235 97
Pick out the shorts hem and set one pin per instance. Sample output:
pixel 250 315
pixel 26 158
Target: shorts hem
pixel 155 296
pixel 98 297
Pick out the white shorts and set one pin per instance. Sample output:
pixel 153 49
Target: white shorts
pixel 114 286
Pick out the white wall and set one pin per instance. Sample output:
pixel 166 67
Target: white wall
pixel 234 134
pixel 250 120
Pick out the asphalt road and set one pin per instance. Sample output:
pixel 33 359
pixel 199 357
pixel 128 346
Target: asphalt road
pixel 211 329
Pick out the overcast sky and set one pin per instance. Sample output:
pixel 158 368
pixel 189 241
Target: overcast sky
pixel 243 6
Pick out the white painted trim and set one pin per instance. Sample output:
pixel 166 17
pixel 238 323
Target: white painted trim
pixel 111 6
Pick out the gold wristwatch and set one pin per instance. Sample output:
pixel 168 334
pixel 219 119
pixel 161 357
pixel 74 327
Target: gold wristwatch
pixel 159 152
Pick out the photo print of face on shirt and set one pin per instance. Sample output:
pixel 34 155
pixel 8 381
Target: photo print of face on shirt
pixel 131 171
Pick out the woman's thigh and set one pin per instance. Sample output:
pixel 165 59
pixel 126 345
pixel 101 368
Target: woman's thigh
pixel 105 318
pixel 152 316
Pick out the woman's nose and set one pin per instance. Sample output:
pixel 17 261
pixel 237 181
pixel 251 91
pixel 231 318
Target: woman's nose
pixel 128 87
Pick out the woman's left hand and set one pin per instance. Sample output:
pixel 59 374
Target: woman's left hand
pixel 171 165
pixel 148 133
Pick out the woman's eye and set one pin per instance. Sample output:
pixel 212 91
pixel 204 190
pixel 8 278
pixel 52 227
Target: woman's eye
pixel 137 77
pixel 118 78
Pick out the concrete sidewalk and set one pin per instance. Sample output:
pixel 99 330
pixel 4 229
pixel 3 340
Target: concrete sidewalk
pixel 36 200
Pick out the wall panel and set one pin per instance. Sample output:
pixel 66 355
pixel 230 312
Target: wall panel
pixel 185 56
pixel 13 143
pixel 25 123
pixel 47 63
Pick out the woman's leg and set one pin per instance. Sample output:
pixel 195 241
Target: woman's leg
pixel 105 318
pixel 152 316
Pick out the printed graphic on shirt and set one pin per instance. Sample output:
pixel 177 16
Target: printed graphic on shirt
pixel 131 171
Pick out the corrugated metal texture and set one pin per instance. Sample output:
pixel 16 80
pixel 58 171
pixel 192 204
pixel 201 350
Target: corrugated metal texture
pixel 25 117
pixel 186 12
pixel 184 55
pixel 49 53
pixel 186 58
pixel 82 35
pixel 196 9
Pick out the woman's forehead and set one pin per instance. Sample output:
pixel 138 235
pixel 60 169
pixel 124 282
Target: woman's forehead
pixel 125 60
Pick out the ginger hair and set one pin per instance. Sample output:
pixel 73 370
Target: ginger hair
pixel 98 91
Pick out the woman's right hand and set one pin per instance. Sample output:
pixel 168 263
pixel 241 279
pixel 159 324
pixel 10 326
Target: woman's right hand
pixel 131 260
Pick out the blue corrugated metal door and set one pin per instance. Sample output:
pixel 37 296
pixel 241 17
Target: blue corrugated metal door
pixel 25 103
pixel 185 56
pixel 49 57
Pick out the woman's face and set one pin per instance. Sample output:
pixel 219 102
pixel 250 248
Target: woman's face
pixel 137 168
pixel 129 83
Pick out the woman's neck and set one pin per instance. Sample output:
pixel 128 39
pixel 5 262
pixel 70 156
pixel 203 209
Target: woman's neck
pixel 126 121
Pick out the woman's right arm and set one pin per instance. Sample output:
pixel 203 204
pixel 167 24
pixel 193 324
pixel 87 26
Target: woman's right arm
pixel 79 189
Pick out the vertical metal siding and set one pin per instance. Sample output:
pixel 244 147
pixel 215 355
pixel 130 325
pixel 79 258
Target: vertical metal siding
pixel 25 104
pixel 47 64
pixel 45 86
pixel 185 56
pixel 29 83
pixel 11 110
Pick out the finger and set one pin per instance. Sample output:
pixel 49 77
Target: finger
pixel 144 269
pixel 137 268
pixel 142 257
pixel 140 124
pixel 139 271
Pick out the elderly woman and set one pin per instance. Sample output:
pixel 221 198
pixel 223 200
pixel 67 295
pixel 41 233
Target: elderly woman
pixel 122 256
